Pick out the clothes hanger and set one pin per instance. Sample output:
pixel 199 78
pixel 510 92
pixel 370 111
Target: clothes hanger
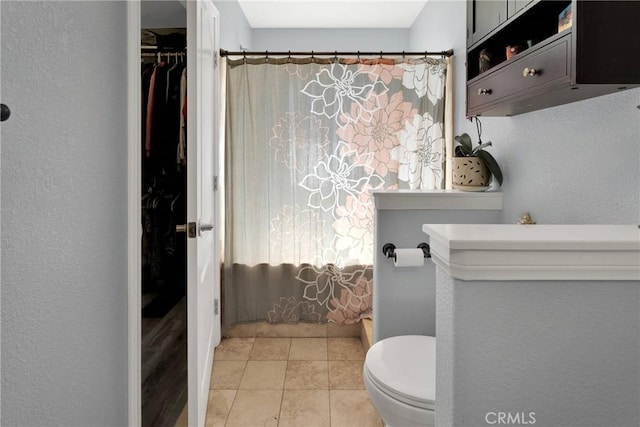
pixel 174 201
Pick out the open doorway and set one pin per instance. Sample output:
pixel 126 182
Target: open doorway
pixel 162 288
pixel 163 59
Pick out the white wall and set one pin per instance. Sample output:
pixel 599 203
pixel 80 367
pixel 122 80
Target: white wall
pixel 576 163
pixel 235 32
pixel 64 219
pixel 234 28
pixel 322 39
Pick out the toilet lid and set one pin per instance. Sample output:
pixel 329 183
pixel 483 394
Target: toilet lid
pixel 405 368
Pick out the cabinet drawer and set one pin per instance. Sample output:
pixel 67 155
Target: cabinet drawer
pixel 547 66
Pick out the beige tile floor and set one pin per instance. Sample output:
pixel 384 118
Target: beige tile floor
pixel 289 382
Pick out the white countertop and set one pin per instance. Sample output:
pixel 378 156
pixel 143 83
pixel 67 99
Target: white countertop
pixel 536 252
pixel 437 199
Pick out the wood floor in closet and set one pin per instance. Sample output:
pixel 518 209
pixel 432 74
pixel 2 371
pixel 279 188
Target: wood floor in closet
pixel 164 366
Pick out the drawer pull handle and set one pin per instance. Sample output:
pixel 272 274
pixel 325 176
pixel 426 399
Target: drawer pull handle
pixel 484 91
pixel 529 72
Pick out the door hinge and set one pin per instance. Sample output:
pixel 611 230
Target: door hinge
pixel 215 183
pixel 215 306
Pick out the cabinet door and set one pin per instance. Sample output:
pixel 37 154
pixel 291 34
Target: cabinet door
pixel 515 6
pixel 484 16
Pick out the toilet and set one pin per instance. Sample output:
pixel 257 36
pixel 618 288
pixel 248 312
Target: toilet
pixel 400 376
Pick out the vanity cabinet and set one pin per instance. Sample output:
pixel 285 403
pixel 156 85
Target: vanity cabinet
pixel 594 50
pixel 514 6
pixel 483 17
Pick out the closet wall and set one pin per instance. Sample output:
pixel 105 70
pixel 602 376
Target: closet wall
pixel 163 14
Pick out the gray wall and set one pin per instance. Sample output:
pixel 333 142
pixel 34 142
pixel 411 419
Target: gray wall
pixel 404 299
pixel 341 39
pixel 576 163
pixel 565 350
pixel 163 14
pixel 234 28
pixel 440 26
pixel 64 218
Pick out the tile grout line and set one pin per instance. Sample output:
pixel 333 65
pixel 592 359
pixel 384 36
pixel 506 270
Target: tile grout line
pixel 281 401
pixel 246 363
pixel 284 381
pixel 329 382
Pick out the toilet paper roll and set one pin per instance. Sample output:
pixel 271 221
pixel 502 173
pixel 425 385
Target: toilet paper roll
pixel 409 258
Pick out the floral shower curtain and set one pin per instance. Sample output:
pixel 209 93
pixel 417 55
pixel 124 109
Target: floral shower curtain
pixel 307 141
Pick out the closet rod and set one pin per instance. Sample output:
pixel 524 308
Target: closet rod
pixel 163 53
pixel 224 52
pixel 164 49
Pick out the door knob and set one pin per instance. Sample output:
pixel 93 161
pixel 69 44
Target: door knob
pixel 529 72
pixel 192 229
pixel 189 228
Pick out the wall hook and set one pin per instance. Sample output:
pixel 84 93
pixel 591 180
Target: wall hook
pixel 6 112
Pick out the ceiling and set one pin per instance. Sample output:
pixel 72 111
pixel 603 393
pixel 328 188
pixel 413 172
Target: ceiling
pixel 331 13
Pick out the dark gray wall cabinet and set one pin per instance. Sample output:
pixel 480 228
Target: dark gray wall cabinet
pixel 560 52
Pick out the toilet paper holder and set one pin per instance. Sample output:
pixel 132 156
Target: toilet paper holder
pixel 389 250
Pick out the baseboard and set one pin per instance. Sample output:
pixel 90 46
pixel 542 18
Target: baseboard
pixel 292 330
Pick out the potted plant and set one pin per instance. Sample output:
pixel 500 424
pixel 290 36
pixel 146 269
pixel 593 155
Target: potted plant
pixel 473 167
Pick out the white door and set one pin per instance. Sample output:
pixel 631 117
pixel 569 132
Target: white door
pixel 203 277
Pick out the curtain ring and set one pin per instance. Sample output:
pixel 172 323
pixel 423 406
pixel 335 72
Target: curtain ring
pixel 380 54
pixel 403 54
pixel 358 55
pixel 244 57
pixel 335 55
pixel 425 55
pixel 289 54
pixel 312 57
pixel 266 56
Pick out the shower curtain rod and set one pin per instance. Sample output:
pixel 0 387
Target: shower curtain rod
pixel 312 53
